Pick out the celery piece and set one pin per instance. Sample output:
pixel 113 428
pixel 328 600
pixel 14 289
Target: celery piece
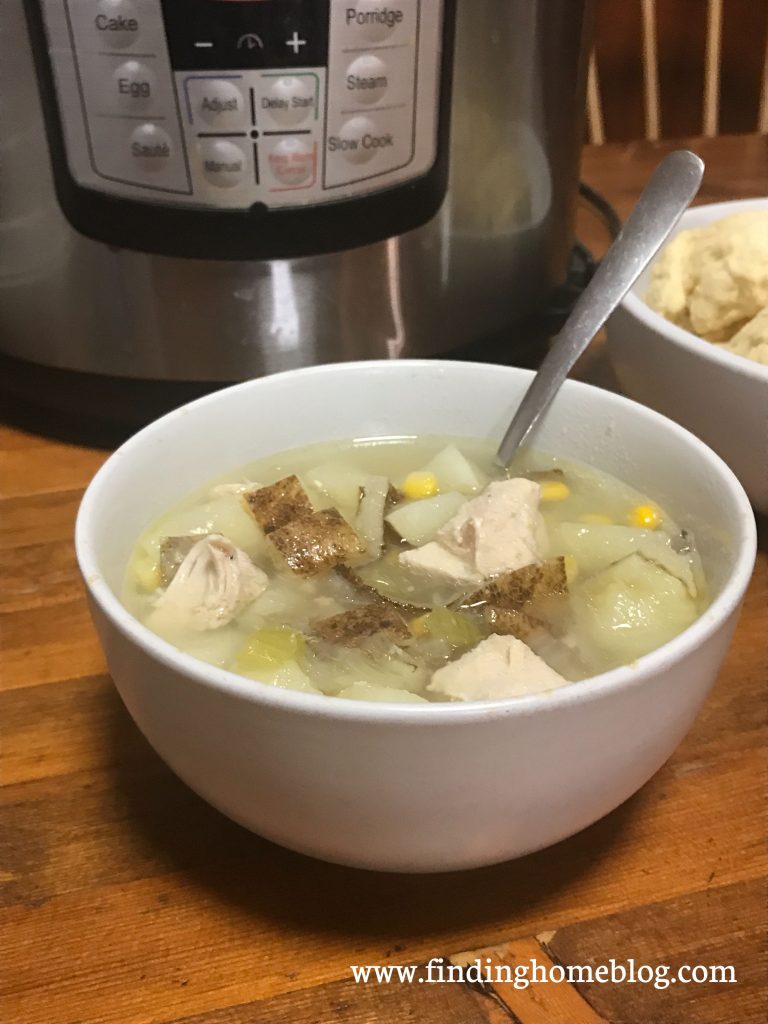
pixel 270 647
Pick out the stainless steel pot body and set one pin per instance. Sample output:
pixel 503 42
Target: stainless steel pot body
pixel 486 261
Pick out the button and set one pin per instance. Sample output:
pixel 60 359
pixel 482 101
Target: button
pixel 290 99
pixel 116 23
pixel 374 21
pixel 359 140
pixel 292 161
pixel 366 80
pixel 216 101
pixel 134 85
pixel 151 147
pixel 224 163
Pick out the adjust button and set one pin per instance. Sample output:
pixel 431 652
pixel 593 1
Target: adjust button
pixel 366 79
pixel 359 140
pixel 224 162
pixel 151 148
pixel 134 85
pixel 217 102
pixel 290 99
pixel 292 161
pixel 116 23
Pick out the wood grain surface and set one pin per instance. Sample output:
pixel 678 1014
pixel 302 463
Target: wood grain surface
pixel 124 899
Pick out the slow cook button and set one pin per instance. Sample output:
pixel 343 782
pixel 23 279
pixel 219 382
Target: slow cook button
pixel 150 147
pixel 217 102
pixel 366 80
pixel 292 161
pixel 359 140
pixel 133 85
pixel 224 162
pixel 116 23
pixel 290 99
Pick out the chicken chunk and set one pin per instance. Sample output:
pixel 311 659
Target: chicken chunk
pixel 212 585
pixel 501 666
pixel 498 531
pixel 357 625
pixel 442 565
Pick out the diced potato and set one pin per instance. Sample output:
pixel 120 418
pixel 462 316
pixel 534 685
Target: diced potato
pixel 631 608
pixel 341 483
pixel 369 523
pixel 458 629
pixel 595 547
pixel 396 582
pixel 224 514
pixel 454 472
pixel 419 521
pixel 372 692
pixel 269 648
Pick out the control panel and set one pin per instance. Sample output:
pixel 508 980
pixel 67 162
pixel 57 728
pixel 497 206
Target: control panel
pixel 246 104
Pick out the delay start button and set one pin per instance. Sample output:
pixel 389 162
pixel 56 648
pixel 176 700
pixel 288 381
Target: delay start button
pixel 116 23
pixel 290 99
pixel 359 140
pixel 150 147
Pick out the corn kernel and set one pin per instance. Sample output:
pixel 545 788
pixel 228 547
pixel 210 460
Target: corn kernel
pixel 645 516
pixel 419 626
pixel 146 574
pixel 554 490
pixel 420 485
pixel 596 519
pixel 571 568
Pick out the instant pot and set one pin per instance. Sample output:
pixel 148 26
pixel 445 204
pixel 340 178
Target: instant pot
pixel 210 190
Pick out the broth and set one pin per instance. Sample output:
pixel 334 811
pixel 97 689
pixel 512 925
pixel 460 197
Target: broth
pixel 436 576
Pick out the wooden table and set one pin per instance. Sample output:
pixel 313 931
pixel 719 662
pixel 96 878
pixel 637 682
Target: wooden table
pixel 125 899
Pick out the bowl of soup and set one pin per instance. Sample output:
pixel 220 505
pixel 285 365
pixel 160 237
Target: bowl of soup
pixel 341 623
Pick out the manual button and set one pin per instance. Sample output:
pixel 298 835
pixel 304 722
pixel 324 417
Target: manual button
pixel 150 147
pixel 359 140
pixel 224 162
pixel 116 23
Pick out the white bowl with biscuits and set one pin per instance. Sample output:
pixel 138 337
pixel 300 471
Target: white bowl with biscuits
pixel 718 394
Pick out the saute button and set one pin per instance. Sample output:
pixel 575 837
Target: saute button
pixel 150 147
pixel 290 99
pixel 292 161
pixel 217 102
pixel 366 79
pixel 116 23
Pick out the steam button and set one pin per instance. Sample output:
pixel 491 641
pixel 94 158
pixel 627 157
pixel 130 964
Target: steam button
pixel 134 85
pixel 290 99
pixel 217 102
pixel 150 147
pixel 224 162
pixel 116 23
pixel 366 79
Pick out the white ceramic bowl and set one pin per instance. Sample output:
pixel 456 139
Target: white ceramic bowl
pixel 394 786
pixel 721 397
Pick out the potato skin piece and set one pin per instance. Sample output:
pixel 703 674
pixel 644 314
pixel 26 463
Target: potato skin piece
pixel 510 622
pixel 173 551
pixel 277 504
pixel 522 588
pixel 313 541
pixel 353 627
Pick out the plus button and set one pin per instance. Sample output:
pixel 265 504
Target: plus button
pixel 295 42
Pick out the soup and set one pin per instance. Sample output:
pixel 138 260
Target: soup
pixel 416 570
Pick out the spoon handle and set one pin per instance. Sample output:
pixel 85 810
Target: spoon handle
pixel 661 204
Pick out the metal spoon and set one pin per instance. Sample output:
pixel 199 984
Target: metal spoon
pixel 661 204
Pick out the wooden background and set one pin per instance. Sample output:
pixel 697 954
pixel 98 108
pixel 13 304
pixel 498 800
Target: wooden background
pixel 124 899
